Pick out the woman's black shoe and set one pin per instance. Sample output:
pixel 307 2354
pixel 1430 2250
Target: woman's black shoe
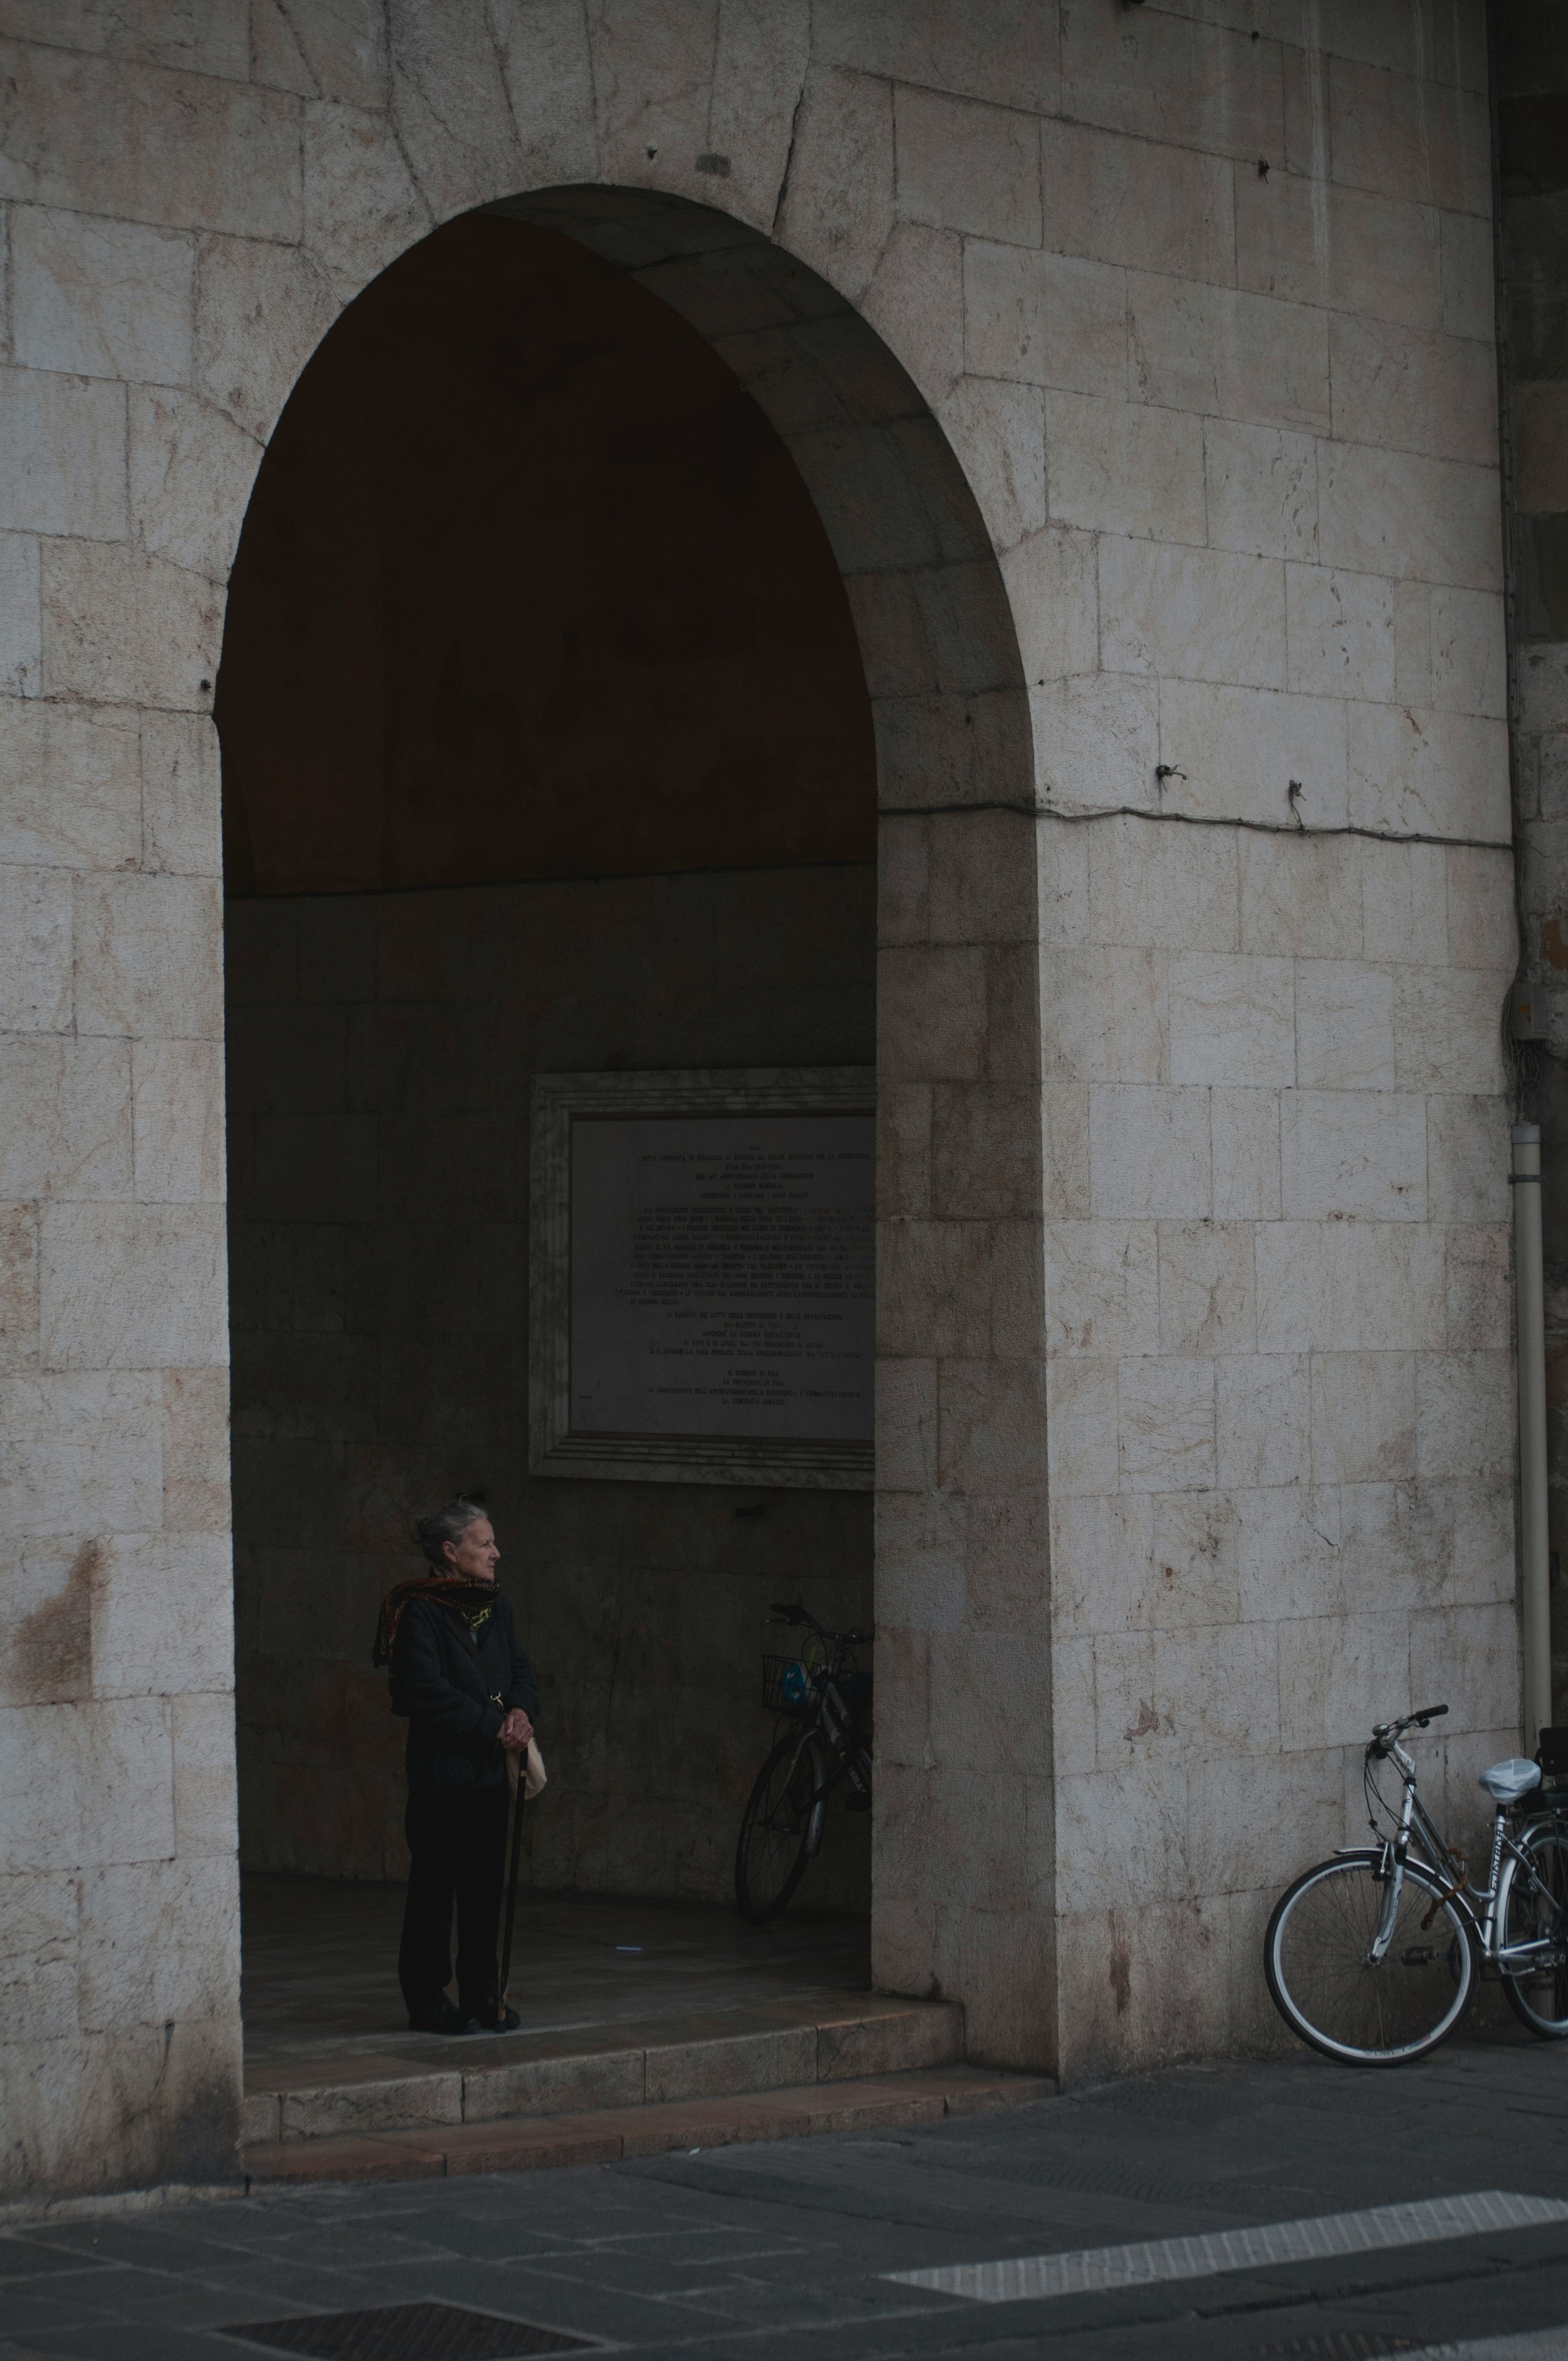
pixel 488 2022
pixel 447 2018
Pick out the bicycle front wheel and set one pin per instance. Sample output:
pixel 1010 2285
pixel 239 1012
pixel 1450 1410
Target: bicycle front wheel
pixel 1328 1988
pixel 781 1828
pixel 1533 1908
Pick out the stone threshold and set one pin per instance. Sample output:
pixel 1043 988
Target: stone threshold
pixel 894 2102
pixel 794 2041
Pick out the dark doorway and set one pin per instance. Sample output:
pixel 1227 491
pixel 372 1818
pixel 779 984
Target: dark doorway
pixel 547 747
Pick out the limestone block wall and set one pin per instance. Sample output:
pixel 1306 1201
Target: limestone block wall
pixel 1276 1307
pixel 1227 434
pixel 120 2046
pixel 380 1053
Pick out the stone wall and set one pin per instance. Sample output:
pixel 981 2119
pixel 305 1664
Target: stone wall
pixel 380 1050
pixel 1139 357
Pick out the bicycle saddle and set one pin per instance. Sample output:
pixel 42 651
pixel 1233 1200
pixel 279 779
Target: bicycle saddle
pixel 1506 1782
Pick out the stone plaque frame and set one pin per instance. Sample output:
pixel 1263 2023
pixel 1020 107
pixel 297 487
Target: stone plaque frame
pixel 554 1449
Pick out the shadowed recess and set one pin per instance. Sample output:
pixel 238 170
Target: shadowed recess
pixel 529 587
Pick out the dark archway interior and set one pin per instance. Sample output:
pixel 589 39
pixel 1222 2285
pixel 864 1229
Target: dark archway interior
pixel 530 589
pixel 546 748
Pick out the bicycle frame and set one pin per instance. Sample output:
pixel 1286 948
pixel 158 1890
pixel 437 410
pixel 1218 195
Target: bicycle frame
pixel 1478 1904
pixel 832 1721
pixel 828 1718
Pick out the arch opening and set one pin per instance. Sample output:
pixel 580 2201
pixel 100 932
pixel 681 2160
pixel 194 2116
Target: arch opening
pixel 604 574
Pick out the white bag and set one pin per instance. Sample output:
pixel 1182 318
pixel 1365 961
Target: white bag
pixel 536 1775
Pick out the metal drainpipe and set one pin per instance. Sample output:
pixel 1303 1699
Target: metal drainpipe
pixel 1530 1315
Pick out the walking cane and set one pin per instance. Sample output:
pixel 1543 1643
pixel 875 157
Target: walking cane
pixel 517 1767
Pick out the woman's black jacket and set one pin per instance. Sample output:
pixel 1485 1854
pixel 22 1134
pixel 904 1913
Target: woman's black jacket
pixel 445 1691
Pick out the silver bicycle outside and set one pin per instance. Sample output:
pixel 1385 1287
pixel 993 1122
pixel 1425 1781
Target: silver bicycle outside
pixel 1372 1957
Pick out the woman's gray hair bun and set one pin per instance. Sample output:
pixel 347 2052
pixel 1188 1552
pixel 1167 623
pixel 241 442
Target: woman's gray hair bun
pixel 447 1523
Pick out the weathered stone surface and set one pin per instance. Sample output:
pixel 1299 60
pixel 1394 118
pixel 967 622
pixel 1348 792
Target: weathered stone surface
pixel 1173 77
pixel 62 454
pixel 147 957
pixel 361 204
pixel 1233 1020
pixel 101 298
pixel 1402 513
pixel 120 628
pixel 321 48
pixel 1124 467
pixel 21 615
pixel 1392 133
pixel 71 1138
pixel 966 167
pixel 1097 739
pixel 124 140
pixel 35 950
pixel 1191 614
pixel 1150 207
pixel 132 1287
pixel 179 800
pixel 1045 319
pixel 1262 487
pixel 191 474
pixel 92 1787
pixel 1341 630
pixel 1241 748
pixel 178 1122
pixel 149 1932
pixel 1376 257
pixel 915 299
pixel 1345 1153
pixel 836 207
pixel 998 431
pixel 997 49
pixel 209 40
pixel 1231 354
pixel 1192 1135
pixel 260 313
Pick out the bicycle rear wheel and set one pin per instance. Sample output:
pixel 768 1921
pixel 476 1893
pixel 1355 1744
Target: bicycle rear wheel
pixel 780 1829
pixel 1322 1978
pixel 1533 1909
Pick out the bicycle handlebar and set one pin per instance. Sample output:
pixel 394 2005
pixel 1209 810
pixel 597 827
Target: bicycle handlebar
pixel 798 1615
pixel 1384 1731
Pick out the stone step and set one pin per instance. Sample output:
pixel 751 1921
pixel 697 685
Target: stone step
pixel 894 2102
pixel 789 2044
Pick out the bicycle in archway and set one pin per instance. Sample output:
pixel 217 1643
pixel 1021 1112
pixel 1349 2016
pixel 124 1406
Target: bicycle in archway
pixel 815 1691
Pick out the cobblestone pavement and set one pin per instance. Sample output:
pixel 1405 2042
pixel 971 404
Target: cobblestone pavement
pixel 766 2249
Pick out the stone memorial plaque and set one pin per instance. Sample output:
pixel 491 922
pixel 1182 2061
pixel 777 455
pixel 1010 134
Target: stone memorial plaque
pixel 722 1276
pixel 702 1293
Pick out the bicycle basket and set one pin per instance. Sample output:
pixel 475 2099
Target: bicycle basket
pixel 786 1685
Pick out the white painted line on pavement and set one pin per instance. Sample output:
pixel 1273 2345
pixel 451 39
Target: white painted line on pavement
pixel 1528 2345
pixel 1093 2269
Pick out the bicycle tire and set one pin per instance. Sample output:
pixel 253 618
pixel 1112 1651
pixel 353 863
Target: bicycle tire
pixel 780 1829
pixel 1525 1915
pixel 1314 1956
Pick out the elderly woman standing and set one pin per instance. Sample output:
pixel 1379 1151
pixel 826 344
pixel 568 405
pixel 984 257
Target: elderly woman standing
pixel 460 1677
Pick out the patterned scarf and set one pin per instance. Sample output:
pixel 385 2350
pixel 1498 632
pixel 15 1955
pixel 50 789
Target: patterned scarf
pixel 472 1600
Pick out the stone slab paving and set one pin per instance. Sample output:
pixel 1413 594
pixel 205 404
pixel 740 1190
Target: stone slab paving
pixel 782 2247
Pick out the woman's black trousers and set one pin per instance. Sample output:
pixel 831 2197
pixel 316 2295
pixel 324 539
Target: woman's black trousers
pixel 457 1838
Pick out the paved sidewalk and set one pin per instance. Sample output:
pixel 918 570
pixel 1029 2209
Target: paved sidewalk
pixel 783 2248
